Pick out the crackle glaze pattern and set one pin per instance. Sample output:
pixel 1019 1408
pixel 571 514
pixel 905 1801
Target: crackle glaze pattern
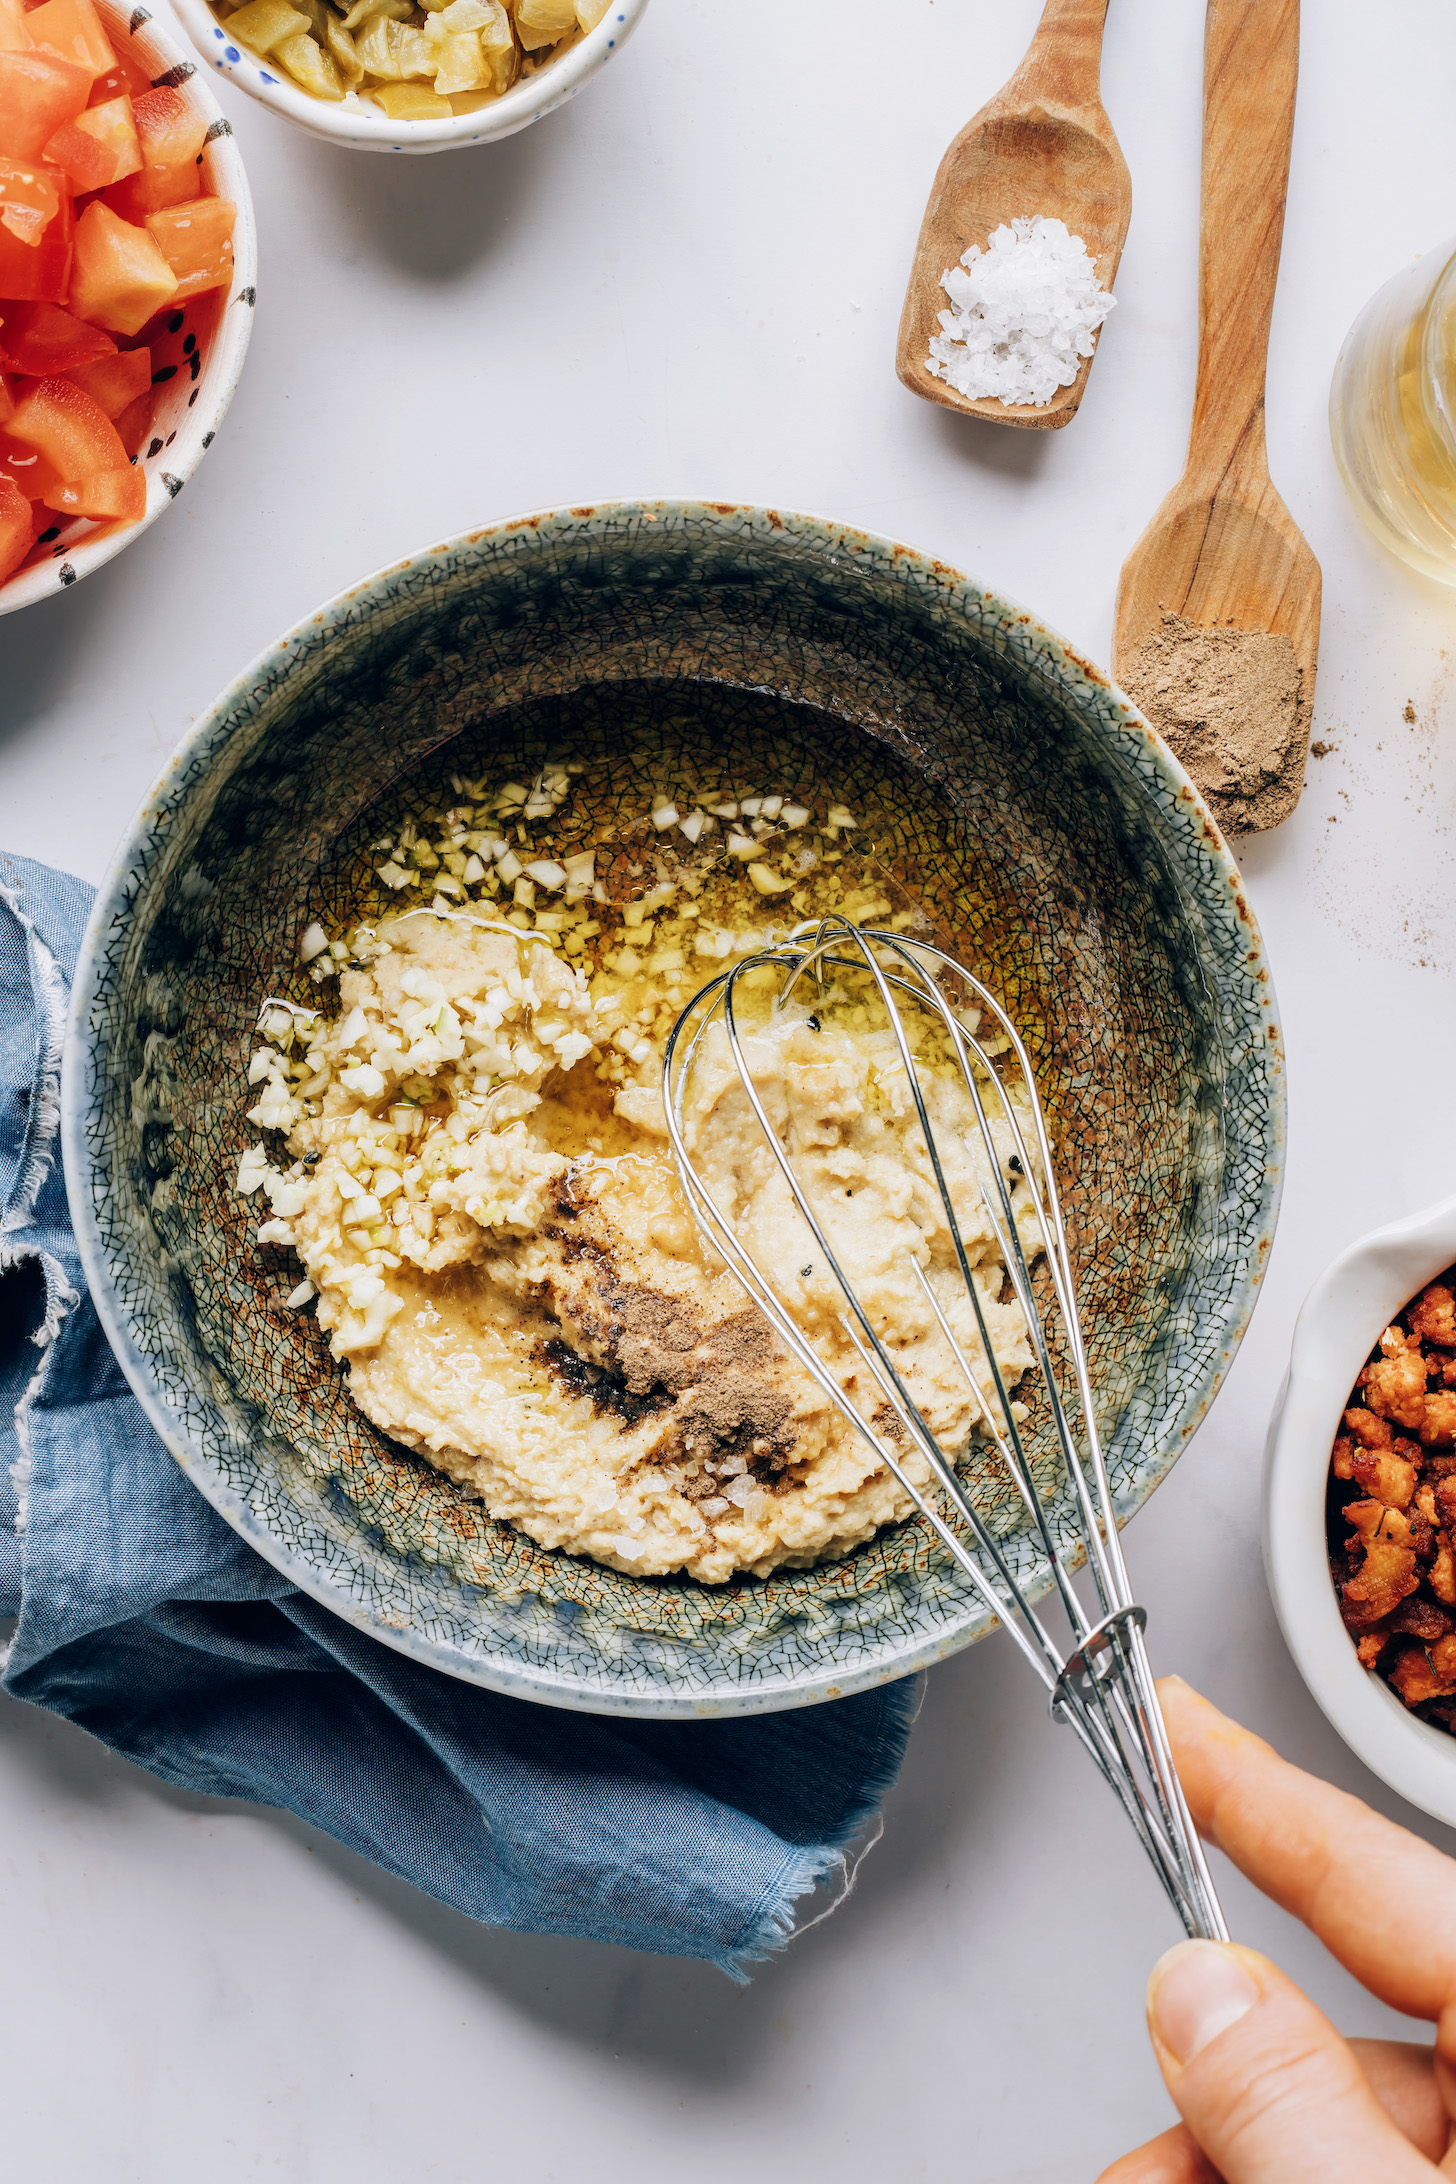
pixel 1035 815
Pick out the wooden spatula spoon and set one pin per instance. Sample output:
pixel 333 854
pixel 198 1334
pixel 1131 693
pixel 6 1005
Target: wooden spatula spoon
pixel 1043 145
pixel 1223 549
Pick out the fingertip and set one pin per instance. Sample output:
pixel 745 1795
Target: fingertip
pixel 1172 2158
pixel 1194 1722
pixel 1260 2076
pixel 1180 1702
pixel 1178 1692
pixel 1196 1990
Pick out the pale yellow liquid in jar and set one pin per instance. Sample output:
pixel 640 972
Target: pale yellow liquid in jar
pixel 1393 415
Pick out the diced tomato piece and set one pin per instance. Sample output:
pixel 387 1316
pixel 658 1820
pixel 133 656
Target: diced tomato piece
pixel 37 93
pixel 7 399
pixel 38 272
pixel 66 429
pixel 134 425
pixel 30 198
pixel 14 37
pixel 71 29
pixel 118 275
pixel 17 528
pixel 105 494
pixel 115 382
pixel 123 80
pixel 99 147
pixel 197 242
pixel 41 338
pixel 171 133
pixel 86 163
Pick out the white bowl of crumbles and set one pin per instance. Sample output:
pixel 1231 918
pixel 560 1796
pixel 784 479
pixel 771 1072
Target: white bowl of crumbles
pixel 1361 1298
pixel 335 70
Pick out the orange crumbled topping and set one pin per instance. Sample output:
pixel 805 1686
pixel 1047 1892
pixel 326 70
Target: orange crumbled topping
pixel 1392 1506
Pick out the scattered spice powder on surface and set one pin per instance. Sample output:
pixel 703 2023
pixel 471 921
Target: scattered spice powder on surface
pixel 1231 704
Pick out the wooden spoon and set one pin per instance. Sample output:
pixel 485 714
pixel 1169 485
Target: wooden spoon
pixel 1223 548
pixel 1043 145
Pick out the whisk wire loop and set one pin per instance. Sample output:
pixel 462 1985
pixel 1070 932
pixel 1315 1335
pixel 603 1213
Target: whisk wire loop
pixel 1100 1683
pixel 720 1233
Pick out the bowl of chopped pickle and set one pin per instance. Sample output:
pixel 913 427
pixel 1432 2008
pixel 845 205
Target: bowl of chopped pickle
pixel 410 75
pixel 1360 1503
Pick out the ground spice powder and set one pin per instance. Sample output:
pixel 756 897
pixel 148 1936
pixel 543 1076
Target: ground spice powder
pixel 1231 704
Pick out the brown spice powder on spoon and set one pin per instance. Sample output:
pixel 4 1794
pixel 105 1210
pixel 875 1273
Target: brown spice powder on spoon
pixel 1231 704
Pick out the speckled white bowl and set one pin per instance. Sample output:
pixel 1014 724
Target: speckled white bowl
pixel 1342 1319
pixel 361 126
pixel 189 409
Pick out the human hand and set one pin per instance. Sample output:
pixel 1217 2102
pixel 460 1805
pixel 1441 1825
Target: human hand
pixel 1268 2091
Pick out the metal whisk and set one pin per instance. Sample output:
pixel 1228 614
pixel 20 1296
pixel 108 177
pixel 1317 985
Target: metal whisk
pixel 1100 1681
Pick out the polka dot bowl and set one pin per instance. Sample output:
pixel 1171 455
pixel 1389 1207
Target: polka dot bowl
pixel 1037 818
pixel 361 126
pixel 197 350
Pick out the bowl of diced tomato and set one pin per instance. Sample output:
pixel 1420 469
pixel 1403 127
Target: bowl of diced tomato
pixel 127 279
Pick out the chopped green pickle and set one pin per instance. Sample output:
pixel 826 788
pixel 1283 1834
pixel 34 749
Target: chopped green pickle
pixel 411 102
pixel 542 22
pixel 341 46
pixel 264 24
pixel 418 60
pixel 308 64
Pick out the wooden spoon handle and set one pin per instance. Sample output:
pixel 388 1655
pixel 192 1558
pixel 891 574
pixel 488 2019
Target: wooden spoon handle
pixel 1063 64
pixel 1250 69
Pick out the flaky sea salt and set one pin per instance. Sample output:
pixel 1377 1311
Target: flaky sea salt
pixel 1023 314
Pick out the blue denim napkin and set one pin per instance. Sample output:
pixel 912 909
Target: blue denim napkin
pixel 142 1617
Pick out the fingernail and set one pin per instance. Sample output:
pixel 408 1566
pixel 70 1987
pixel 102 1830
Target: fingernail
pixel 1196 1992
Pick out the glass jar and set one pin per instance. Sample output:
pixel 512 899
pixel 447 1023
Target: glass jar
pixel 1393 414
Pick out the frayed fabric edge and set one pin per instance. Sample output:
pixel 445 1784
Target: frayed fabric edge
pixel 38 1155
pixel 777 1922
pixel 61 1298
pixel 43 1127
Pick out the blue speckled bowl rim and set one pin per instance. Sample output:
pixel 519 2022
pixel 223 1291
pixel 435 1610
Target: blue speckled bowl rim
pixel 192 757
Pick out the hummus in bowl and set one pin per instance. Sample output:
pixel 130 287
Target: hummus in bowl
pixel 474 1172
pixel 1006 802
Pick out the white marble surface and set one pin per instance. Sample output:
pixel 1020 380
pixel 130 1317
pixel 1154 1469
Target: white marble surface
pixel 689 282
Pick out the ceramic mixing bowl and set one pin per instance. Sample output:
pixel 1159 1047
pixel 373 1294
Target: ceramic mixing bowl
pixel 361 126
pixel 1343 1317
pixel 1056 844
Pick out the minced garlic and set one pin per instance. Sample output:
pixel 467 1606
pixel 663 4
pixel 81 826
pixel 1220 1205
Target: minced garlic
pixel 475 1179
